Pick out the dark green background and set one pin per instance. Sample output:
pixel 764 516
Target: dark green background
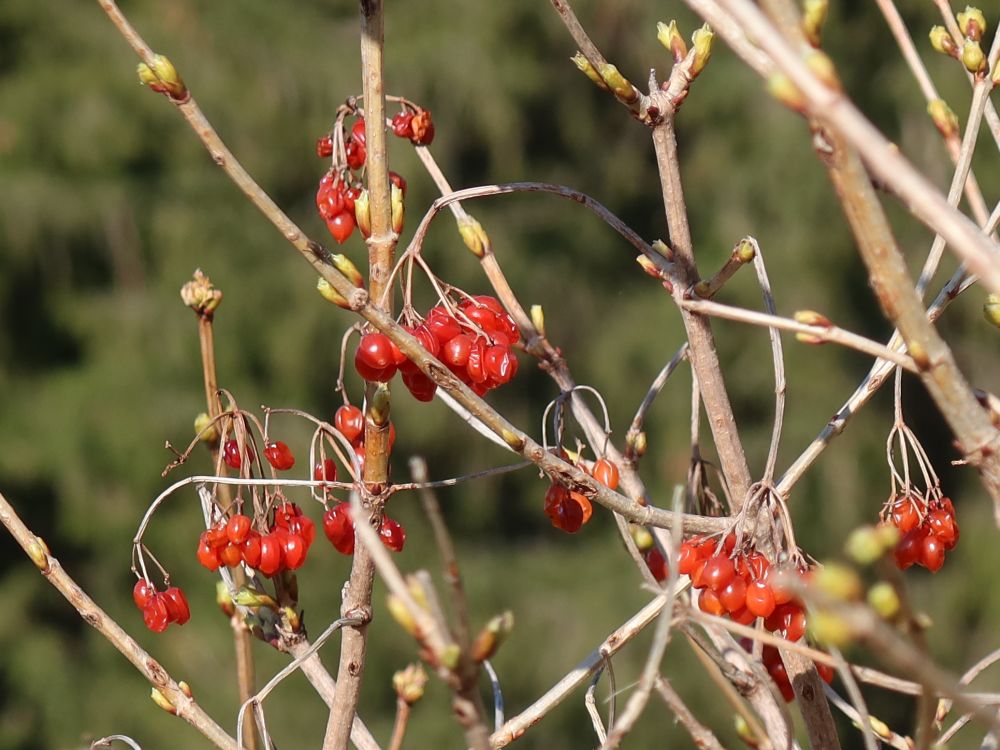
pixel 108 203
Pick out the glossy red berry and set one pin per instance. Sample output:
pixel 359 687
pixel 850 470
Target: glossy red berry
pixel 932 553
pixel 708 601
pixel 341 226
pixel 421 387
pixel 294 548
pixel 325 471
pixel 734 595
pixel 208 556
pixel 355 152
pixel 350 421
pixel 177 605
pixel 905 515
pixel 271 554
pixel 942 525
pixel 760 599
pixel 718 572
pixel 687 558
pixel 657 564
pixel 237 528
pixel 324 147
pixel 339 528
pixel 392 534
pixel 907 552
pixel 142 592
pixel 231 454
pixel 279 455
pixel 231 555
pixel 374 354
pixel 250 548
pixel 401 124
pixel 155 613
pixel 358 130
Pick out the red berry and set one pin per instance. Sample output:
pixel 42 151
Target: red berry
pixel 401 124
pixel 286 514
pixel 718 572
pixel 250 548
pixel 355 152
pixel 606 473
pixel 155 613
pixel 584 504
pixel 943 526
pixel 142 592
pixel 341 226
pixel 177 606
pixel 657 564
pixel 339 528
pixel 567 516
pixel 780 677
pixel 905 515
pixel 231 555
pixel 294 548
pixel 324 147
pixel 500 364
pixel 743 616
pixel 455 352
pixel 476 366
pixel 698 574
pixel 734 595
pixel 231 454
pixel 760 599
pixel 358 130
pixel 279 455
pixel 350 421
pixel 826 672
pixel 271 554
pixel 375 351
pixel 907 552
pixel 420 386
pixel 441 323
pixel 237 528
pixel 326 471
pixel 708 601
pixel 421 128
pixel 782 594
pixel 932 553
pixel 687 558
pixel 305 528
pixel 208 556
pixel 392 534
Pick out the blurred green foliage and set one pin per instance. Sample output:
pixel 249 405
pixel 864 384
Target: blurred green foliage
pixel 109 204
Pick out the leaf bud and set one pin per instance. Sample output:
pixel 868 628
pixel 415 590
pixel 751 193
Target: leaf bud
pixel 251 597
pixel 401 614
pixel 973 57
pixel 185 688
pixel 991 309
pixel 824 69
pixel 223 599
pixel 39 553
pixel 670 37
pixel 942 41
pixel 813 17
pixel 200 295
pixel 474 236
pixel 491 636
pixel 538 319
pixel 781 88
pixel 619 84
pixel 398 208
pixel 330 294
pixel 944 119
pixel 362 214
pixel 163 78
pixel 162 701
pixel 344 264
pixel 972 23
pixel 589 70
pixel 701 41
pixel 409 683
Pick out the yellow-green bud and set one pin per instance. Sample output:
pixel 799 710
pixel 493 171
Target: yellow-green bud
pixel 701 41
pixel 811 318
pixel 362 214
pixel 745 732
pixel 450 656
pixel 515 441
pixel 205 429
pixel 838 581
pixel 162 77
pixel 398 208
pixel 378 410
pixel 185 688
pixel 781 88
pixel 829 629
pixel 38 551
pixel 251 597
pixel 944 119
pixel 330 294
pixel 642 538
pixel 883 599
pixel 474 236
pixel 538 319
pixel 409 683
pixel 991 309
pixel 813 17
pixel 663 249
pixel 619 84
pixel 973 57
pixel 821 64
pixel 972 23
pixel 942 41
pixel 200 294
pixel 864 546
pixel 745 251
pixel 491 636
pixel 344 264
pixel 223 599
pixel 670 37
pixel 589 70
pixel 162 701
pixel 401 614
pixel 880 728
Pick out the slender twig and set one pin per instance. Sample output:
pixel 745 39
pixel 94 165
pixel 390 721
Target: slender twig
pixel 590 703
pixel 857 698
pixel 399 726
pixel 653 391
pixel 184 706
pixel 703 737
pixel 498 703
pixel 106 741
pixel 897 741
pixel 831 333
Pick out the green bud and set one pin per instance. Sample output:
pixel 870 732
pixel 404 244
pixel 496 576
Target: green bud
pixel 619 84
pixel 185 688
pixel 379 407
pixel 330 294
pixel 401 614
pixel 829 629
pixel 201 295
pixel 39 553
pixel 223 599
pixel 745 251
pixel 538 319
pixel 589 70
pixel 491 636
pixel 942 41
pixel 642 538
pixel 781 88
pixel 824 69
pixel 663 249
pixel 162 77
pixel 669 36
pixel 450 656
pixel 398 208
pixel 944 119
pixel 702 40
pixel 973 57
pixel 991 308
pixel 248 596
pixel 863 545
pixel 972 23
pixel 344 264
pixel 474 236
pixel 205 429
pixel 162 701
pixel 883 599
pixel 409 683
pixel 813 17
pixel 362 214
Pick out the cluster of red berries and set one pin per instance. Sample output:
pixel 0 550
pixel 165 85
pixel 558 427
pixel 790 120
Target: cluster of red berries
pixel 928 530
pixel 160 608
pixel 569 510
pixel 743 586
pixel 335 201
pixel 475 346
pixel 350 421
pixel 776 669
pixel 339 529
pixel 283 547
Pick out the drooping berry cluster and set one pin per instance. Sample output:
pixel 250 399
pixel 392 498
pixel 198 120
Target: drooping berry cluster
pixel 338 525
pixel 569 510
pixel 160 608
pixel 742 586
pixel 475 345
pixel 283 547
pixel 335 201
pixel 928 530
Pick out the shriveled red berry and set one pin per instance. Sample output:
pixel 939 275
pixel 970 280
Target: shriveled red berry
pixel 760 599
pixel 698 574
pixel 420 386
pixel 687 558
pixel 177 605
pixel 350 421
pixel 237 528
pixel 279 455
pixel 567 516
pixel 286 514
pixel 324 147
pixel 401 124
pixel 358 130
pixel 339 528
pixel 657 564
pixel 942 525
pixel 422 128
pixel 905 515
pixel 155 613
pixel 442 324
pixel 584 504
pixel 392 534
pixel 142 592
pixel 231 454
